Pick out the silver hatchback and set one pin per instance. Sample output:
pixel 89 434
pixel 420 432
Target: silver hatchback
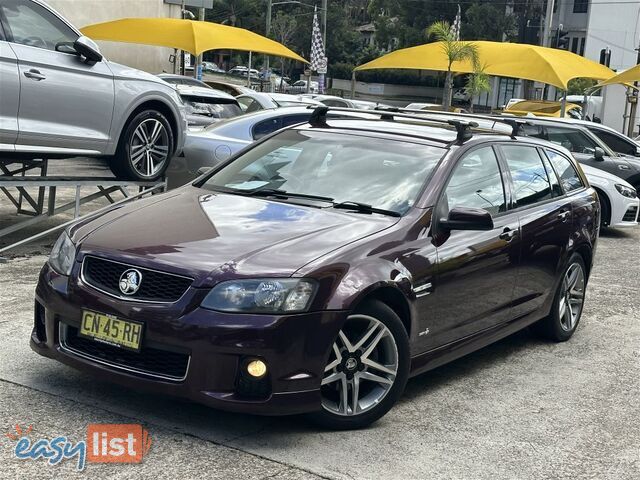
pixel 60 98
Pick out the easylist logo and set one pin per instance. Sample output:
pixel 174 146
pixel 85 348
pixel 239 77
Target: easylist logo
pixel 117 443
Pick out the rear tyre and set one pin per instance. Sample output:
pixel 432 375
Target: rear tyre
pixel 567 304
pixel 145 148
pixel 367 369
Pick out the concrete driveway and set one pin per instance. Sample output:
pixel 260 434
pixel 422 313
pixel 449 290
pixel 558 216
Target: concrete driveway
pixel 519 409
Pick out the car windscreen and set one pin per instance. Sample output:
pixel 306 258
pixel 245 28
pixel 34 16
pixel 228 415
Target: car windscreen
pixel 211 107
pixel 385 174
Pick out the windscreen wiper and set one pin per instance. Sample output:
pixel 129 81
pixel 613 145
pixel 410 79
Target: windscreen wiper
pixel 365 208
pixel 273 192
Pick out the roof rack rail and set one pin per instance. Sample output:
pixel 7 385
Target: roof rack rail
pixel 515 123
pixel 463 128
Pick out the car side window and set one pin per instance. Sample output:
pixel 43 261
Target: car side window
pixel 573 140
pixel 476 182
pixel 616 143
pixel 295 119
pixel 335 103
pixel 266 127
pixel 32 24
pixel 569 177
pixel 530 181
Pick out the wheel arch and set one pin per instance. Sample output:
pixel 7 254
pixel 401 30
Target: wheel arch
pixel 586 252
pixel 603 197
pixel 160 106
pixel 392 297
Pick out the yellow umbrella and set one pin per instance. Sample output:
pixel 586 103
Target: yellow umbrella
pixel 189 35
pixel 630 75
pixel 529 62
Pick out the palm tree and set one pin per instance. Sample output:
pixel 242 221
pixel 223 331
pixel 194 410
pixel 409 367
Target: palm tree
pixel 477 83
pixel 454 50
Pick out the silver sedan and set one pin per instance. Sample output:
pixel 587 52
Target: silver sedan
pixel 215 144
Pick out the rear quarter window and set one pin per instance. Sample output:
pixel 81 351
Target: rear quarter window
pixel 567 173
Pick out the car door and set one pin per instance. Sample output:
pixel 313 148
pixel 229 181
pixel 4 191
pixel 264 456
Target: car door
pixel 617 142
pixel 64 101
pixel 476 270
pixel 545 214
pixel 10 96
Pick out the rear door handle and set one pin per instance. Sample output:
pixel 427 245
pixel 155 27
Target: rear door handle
pixel 564 215
pixel 508 234
pixel 34 74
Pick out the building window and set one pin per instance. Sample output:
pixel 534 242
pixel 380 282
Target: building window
pixel 580 6
pixel 574 44
pixel 582 42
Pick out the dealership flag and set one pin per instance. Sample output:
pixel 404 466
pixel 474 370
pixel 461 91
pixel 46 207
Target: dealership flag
pixel 318 58
pixel 455 28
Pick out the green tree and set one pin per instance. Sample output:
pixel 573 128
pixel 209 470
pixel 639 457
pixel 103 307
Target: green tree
pixel 477 83
pixel 577 86
pixel 455 51
pixel 489 21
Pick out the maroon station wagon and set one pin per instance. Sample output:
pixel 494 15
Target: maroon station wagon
pixel 319 269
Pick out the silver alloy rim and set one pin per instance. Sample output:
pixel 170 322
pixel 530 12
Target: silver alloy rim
pixel 149 147
pixel 572 298
pixel 362 367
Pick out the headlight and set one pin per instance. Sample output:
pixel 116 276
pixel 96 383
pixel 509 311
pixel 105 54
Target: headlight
pixel 626 191
pixel 264 295
pixel 63 255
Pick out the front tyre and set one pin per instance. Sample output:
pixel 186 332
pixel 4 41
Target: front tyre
pixel 567 304
pixel 367 369
pixel 145 148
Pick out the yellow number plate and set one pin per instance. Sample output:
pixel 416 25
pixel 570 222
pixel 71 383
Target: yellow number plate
pixel 109 329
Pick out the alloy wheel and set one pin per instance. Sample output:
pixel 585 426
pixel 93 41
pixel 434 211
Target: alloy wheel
pixel 149 148
pixel 572 297
pixel 362 367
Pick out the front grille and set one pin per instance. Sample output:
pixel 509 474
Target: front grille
pixel 631 214
pixel 154 286
pixel 148 361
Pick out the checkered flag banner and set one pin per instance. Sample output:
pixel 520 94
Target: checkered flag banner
pixel 318 60
pixel 455 28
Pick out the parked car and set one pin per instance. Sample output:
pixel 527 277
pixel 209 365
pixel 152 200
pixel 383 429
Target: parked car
pixel 241 70
pixel 618 199
pixel 320 268
pixel 205 106
pixel 61 98
pixel 587 147
pixel 230 88
pixel 615 140
pixel 175 79
pixel 300 86
pixel 334 101
pixel 210 67
pixel 436 107
pixel 215 144
pixel 255 101
pixel 543 108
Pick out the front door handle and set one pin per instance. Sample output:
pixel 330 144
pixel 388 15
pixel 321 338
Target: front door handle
pixel 563 216
pixel 34 74
pixel 508 234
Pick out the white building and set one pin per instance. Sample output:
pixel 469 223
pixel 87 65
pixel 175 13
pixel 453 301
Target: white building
pixel 594 25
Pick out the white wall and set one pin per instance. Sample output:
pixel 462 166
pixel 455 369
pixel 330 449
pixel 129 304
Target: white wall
pixel 617 26
pixel 86 12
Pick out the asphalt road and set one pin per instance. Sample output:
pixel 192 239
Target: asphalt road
pixel 519 409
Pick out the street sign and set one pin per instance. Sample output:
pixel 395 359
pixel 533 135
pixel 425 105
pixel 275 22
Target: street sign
pixel 322 66
pixel 192 3
pixel 307 72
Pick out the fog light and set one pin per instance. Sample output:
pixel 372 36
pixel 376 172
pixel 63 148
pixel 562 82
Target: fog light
pixel 256 368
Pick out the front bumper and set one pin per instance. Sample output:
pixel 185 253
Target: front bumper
pixel 625 213
pixel 294 347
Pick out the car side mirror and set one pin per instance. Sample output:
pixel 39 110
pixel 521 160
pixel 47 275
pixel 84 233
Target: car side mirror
pixel 467 218
pixel 598 154
pixel 88 49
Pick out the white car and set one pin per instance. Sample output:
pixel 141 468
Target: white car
pixel 301 87
pixel 334 101
pixel 205 106
pixel 255 101
pixel 618 199
pixel 242 71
